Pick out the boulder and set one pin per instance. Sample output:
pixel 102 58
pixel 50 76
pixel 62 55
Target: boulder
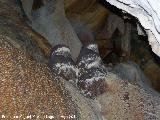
pixel 29 90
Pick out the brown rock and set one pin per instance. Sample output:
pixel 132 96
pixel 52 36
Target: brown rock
pixel 104 45
pixel 89 12
pixel 124 101
pixel 28 88
pixel 152 71
pixel 12 24
pixel 91 77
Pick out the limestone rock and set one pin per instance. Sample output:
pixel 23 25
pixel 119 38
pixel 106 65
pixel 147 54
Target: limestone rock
pixel 152 70
pixel 147 12
pixel 91 77
pixel 89 109
pixel 62 63
pixel 83 32
pixel 50 21
pixel 29 90
pixel 13 25
pixel 126 101
pixel 90 12
pixel 131 72
pixel 115 36
pixel 104 45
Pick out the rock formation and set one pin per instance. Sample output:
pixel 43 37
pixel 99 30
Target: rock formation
pixel 92 72
pixel 90 12
pixel 13 25
pixel 62 64
pixel 127 101
pixel 147 12
pixel 50 22
pixel 29 90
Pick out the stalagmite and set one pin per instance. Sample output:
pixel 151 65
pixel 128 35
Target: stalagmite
pixel 125 41
pixel 50 22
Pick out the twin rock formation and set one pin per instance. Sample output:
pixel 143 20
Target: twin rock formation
pixel 29 89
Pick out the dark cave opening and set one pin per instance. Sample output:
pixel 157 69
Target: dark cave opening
pixel 37 4
pixel 140 50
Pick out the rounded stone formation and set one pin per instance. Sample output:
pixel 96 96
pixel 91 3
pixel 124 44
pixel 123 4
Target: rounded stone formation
pixel 92 73
pixel 62 63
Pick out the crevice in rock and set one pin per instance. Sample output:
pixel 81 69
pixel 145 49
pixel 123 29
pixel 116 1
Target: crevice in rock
pixel 140 50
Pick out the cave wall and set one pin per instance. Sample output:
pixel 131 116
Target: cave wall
pixel 148 14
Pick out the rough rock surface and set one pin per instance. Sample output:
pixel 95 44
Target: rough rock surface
pixel 30 90
pixel 91 77
pixel 127 101
pixel 152 70
pixel 89 109
pixel 131 72
pixel 50 21
pixel 90 12
pixel 62 63
pixel 13 25
pixel 148 14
